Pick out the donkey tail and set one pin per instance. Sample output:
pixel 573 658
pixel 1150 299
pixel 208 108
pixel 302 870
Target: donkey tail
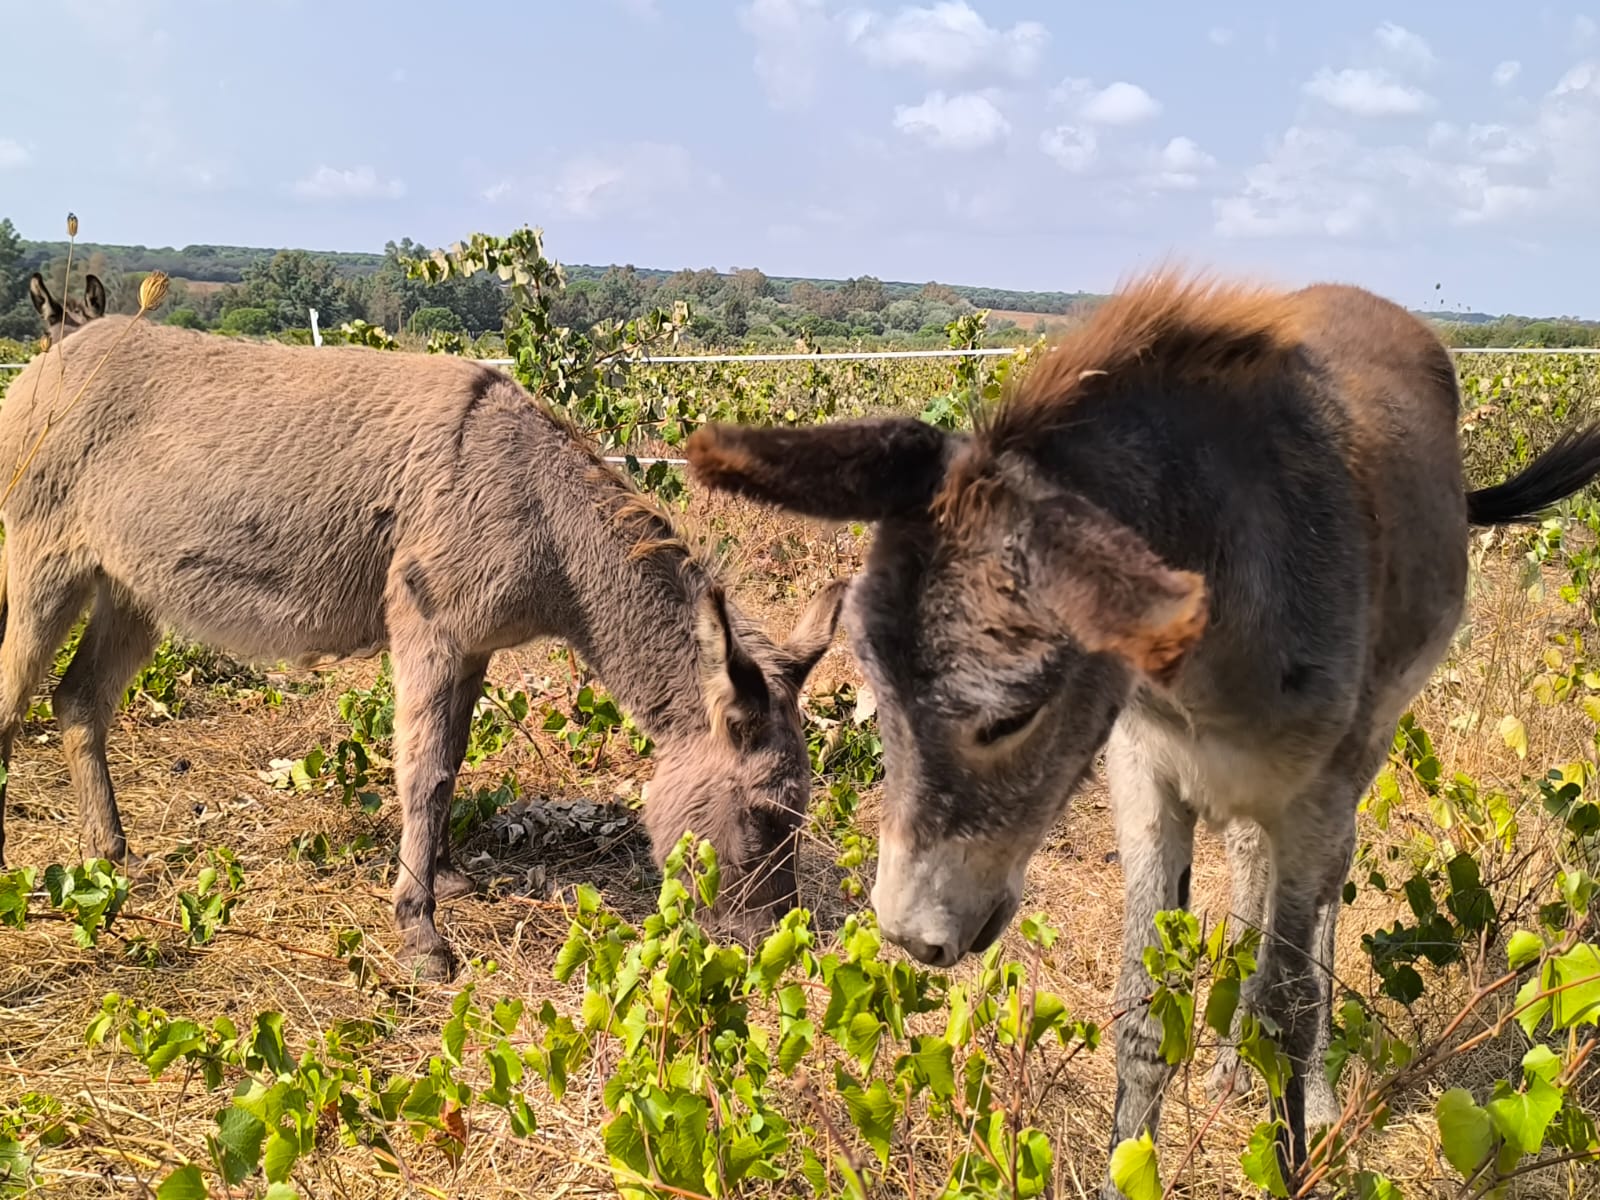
pixel 1569 464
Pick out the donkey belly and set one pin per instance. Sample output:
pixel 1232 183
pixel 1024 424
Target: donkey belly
pixel 269 575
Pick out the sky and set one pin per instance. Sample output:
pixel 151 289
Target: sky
pixel 1445 155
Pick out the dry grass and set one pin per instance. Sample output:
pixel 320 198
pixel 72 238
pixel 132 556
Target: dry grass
pixel 193 782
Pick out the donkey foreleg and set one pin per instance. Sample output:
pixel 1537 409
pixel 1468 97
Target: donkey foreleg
pixel 1155 840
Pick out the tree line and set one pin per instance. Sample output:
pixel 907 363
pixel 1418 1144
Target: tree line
pixel 244 290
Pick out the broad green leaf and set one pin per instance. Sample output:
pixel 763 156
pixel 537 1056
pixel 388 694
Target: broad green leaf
pixel 279 1158
pixel 1523 948
pixel 1515 735
pixel 1260 1159
pixel 1521 1118
pixel 1221 1004
pixel 186 1183
pixel 1466 1133
pixel 1577 976
pixel 1134 1170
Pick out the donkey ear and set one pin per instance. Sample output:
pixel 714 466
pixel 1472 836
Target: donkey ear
pixel 94 296
pixel 1110 592
pixel 813 633
pixel 735 689
pixel 862 470
pixel 42 299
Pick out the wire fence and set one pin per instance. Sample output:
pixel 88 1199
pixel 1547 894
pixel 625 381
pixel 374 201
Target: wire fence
pixel 975 352
pixel 879 355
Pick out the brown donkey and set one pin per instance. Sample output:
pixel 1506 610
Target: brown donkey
pixel 1221 533
pixel 284 502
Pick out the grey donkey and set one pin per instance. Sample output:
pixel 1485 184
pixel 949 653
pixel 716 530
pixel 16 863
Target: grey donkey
pixel 292 503
pixel 1220 532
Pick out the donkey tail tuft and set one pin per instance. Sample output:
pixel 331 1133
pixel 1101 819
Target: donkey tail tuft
pixel 1568 465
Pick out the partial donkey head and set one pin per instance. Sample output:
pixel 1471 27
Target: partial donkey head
pixel 62 320
pixel 743 780
pixel 1002 620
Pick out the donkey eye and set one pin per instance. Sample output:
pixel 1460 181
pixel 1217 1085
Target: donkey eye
pixel 1006 726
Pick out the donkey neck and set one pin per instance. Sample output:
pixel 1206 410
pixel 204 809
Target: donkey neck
pixel 633 588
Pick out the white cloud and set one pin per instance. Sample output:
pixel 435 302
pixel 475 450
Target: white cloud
pixel 630 180
pixel 1584 28
pixel 1219 35
pixel 357 183
pixel 1324 183
pixel 1506 73
pixel 1367 93
pixel 646 9
pixel 1119 103
pixel 1074 148
pixel 789 36
pixel 496 192
pixel 1407 49
pixel 1179 164
pixel 13 154
pixel 966 121
pixel 949 39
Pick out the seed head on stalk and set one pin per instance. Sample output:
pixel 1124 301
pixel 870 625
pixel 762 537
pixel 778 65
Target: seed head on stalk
pixel 152 291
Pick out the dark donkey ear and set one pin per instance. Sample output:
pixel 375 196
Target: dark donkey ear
pixel 862 470
pixel 43 300
pixel 1109 591
pixel 813 633
pixel 94 297
pixel 736 693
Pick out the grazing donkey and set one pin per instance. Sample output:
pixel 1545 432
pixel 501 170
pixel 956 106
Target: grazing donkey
pixel 285 502
pixel 1220 532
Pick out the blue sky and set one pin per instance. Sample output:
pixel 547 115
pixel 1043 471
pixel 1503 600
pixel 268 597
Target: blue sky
pixel 1019 144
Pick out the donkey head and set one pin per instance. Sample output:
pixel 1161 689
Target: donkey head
pixel 61 320
pixel 1002 621
pixel 743 781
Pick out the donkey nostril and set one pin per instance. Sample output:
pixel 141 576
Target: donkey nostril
pixel 929 953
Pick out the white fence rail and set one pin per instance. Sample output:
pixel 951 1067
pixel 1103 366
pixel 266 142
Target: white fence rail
pixel 980 352
pixel 877 355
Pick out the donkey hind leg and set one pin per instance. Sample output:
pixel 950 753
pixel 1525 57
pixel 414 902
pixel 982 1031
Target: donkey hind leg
pixel 116 642
pixel 1155 840
pixel 1249 877
pixel 449 881
pixel 42 599
pixel 426 675
pixel 1292 986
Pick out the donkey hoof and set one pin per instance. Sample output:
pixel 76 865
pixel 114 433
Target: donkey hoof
pixel 451 884
pixel 129 864
pixel 1227 1078
pixel 437 966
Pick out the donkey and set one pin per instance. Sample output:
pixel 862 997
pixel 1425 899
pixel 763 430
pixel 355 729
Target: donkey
pixel 292 503
pixel 63 318
pixel 1220 532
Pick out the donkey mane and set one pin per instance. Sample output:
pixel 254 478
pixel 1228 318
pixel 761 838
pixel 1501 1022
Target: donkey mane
pixel 1167 327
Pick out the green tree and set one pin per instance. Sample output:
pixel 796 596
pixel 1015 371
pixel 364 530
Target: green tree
pixel 291 282
pixel 17 318
pixel 255 322
pixel 435 319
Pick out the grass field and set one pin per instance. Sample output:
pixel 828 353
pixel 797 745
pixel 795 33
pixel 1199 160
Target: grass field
pixel 201 759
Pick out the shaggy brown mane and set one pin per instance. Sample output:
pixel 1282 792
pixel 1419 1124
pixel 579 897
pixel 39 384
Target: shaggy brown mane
pixel 1167 327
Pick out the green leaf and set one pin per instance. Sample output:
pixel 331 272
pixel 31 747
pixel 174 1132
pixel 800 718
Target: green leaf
pixel 1466 1133
pixel 282 1191
pixel 1515 735
pixel 239 1134
pixel 872 1112
pixel 1577 975
pixel 1521 1118
pixel 1221 1004
pixel 186 1183
pixel 1260 1159
pixel 1372 1186
pixel 280 1156
pixel 1134 1170
pixel 1523 948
